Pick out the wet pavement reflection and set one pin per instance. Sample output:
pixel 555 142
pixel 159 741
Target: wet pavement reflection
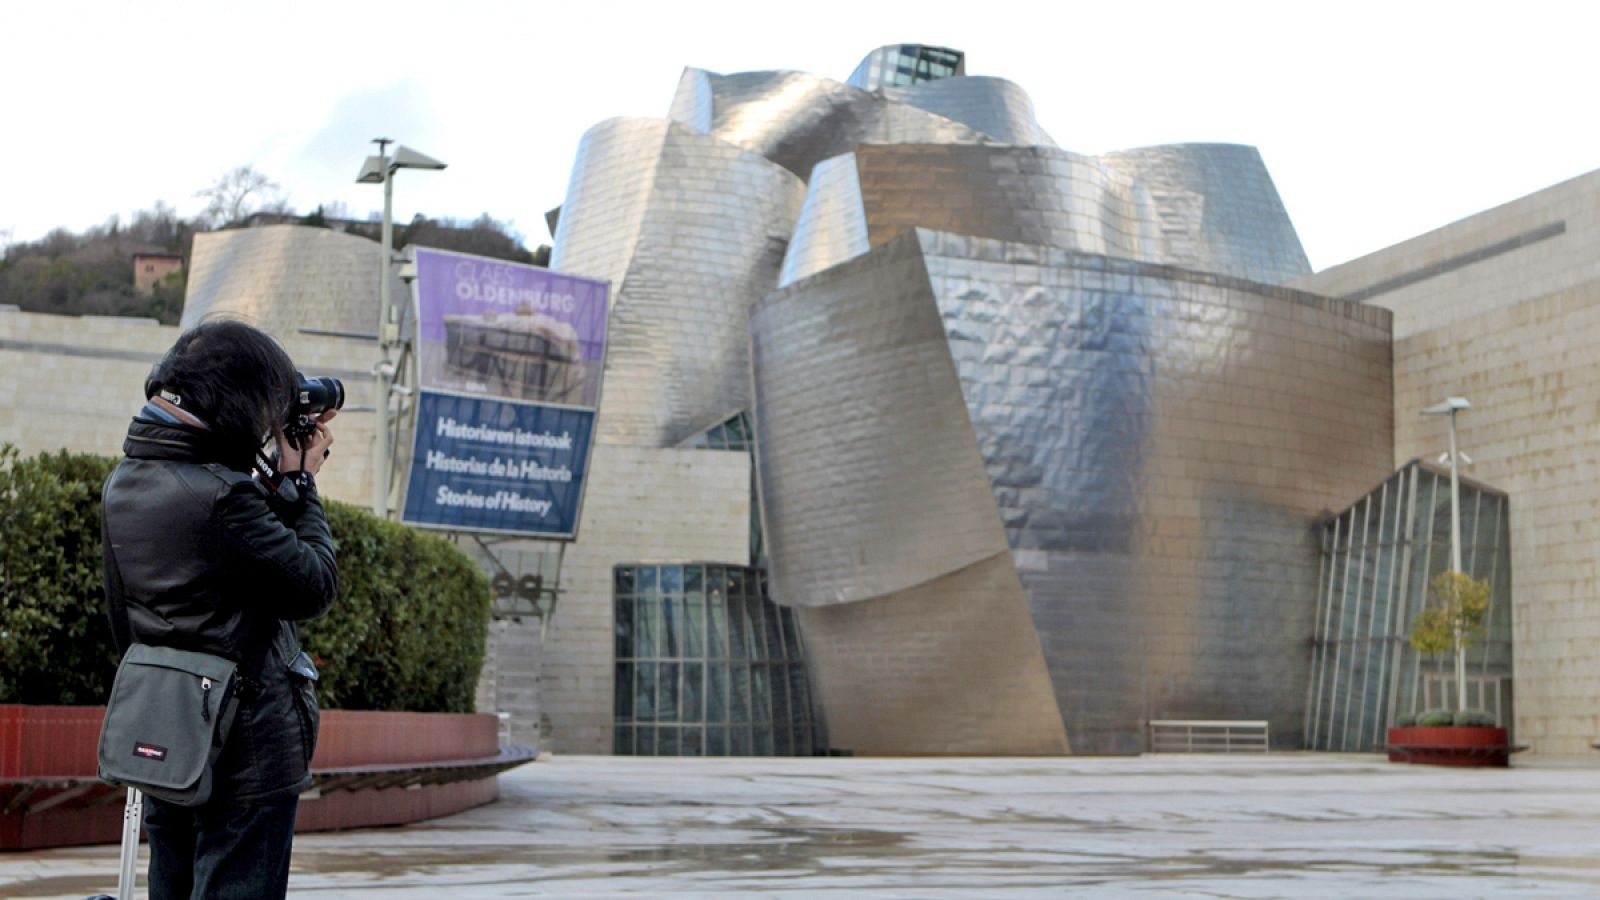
pixel 1241 826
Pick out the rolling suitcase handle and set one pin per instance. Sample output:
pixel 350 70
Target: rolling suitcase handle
pixel 127 875
pixel 132 816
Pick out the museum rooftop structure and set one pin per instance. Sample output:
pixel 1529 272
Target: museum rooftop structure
pixel 1043 442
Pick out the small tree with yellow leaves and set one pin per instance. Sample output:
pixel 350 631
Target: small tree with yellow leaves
pixel 1454 615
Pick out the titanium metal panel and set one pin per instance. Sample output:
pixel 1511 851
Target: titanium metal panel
pixel 996 107
pixel 797 120
pixel 832 226
pixel 691 230
pixel 1156 442
pixel 871 479
pixel 950 666
pixel 1211 207
pixel 1220 209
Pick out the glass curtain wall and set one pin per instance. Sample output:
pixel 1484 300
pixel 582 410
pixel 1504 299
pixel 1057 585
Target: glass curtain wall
pixel 906 64
pixel 1378 558
pixel 707 665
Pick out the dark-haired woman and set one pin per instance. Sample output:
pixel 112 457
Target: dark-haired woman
pixel 211 547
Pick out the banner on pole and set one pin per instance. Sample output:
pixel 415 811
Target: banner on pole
pixel 510 359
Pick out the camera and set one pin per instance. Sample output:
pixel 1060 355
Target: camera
pixel 312 398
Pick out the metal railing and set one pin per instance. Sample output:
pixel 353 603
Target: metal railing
pixel 1208 736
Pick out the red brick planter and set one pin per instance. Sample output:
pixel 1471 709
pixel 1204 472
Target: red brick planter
pixel 1450 745
pixel 371 768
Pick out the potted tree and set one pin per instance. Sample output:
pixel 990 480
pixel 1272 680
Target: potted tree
pixel 1458 604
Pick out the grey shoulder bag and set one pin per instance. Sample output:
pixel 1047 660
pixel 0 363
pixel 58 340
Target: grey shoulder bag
pixel 167 719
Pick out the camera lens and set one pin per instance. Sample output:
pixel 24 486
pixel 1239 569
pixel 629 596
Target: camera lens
pixel 320 394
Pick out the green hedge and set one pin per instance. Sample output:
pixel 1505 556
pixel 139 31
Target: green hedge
pixel 409 629
pixel 55 641
pixel 407 632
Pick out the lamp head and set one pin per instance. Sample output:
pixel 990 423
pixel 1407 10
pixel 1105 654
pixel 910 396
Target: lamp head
pixel 407 158
pixel 1450 405
pixel 371 171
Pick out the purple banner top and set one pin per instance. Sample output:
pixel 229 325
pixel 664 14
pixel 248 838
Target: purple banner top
pixel 456 285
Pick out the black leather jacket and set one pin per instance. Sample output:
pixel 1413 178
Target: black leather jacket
pixel 201 556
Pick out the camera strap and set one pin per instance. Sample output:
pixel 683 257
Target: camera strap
pixel 266 472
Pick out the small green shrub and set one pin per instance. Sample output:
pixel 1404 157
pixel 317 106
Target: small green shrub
pixel 1405 720
pixel 1474 717
pixel 1435 718
pixel 55 639
pixel 407 632
pixel 409 629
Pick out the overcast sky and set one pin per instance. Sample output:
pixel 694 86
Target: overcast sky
pixel 1378 121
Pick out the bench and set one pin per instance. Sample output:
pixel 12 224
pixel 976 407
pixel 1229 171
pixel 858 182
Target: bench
pixel 1208 736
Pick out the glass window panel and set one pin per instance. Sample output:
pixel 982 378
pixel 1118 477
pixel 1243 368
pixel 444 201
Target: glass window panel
pixel 739 740
pixel 624 628
pixel 694 579
pixel 739 700
pixel 671 580
pixel 760 695
pixel 716 740
pixel 667 741
pixel 791 633
pixel 644 628
pixel 622 691
pixel 755 640
pixel 738 629
pixel 782 745
pixel 693 742
pixel 736 581
pixel 622 580
pixel 645 580
pixel 644 741
pixel 780 692
pixel 622 740
pixel 667 710
pixel 694 626
pixel 716 692
pixel 693 690
pixel 761 736
pixel 718 648
pixel 799 701
pixel 671 619
pixel 774 632
pixel 644 692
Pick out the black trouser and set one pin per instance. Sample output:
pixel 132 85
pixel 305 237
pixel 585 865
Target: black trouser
pixel 220 851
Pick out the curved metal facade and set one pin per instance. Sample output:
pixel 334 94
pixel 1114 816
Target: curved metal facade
pixel 1151 444
pixel 1035 463
pixel 797 119
pixel 1219 209
pixel 282 278
pixel 691 231
pixel 1209 207
pixel 995 107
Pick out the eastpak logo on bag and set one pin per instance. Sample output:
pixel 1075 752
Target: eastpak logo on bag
pixel 150 751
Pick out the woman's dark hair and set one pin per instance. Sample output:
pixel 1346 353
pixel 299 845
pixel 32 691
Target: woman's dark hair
pixel 234 376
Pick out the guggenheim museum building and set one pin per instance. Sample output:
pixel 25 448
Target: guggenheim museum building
pixel 923 434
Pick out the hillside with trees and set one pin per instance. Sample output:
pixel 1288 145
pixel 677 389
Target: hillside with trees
pixel 92 272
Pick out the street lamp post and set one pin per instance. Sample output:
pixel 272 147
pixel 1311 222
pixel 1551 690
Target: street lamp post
pixel 381 168
pixel 1451 406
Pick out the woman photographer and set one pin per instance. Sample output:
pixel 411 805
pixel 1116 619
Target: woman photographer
pixel 211 548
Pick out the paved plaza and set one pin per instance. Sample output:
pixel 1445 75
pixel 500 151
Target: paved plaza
pixel 1284 825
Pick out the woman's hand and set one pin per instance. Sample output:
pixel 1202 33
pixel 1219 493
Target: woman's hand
pixel 318 446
